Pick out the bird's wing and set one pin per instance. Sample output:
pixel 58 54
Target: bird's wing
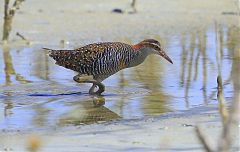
pixel 92 52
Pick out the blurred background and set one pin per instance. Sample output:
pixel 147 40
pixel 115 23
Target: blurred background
pixel 36 93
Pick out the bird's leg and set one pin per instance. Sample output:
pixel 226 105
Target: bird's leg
pixel 88 79
pixel 92 88
pixel 101 87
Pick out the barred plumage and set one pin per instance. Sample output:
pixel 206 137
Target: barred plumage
pixel 102 60
pixel 99 59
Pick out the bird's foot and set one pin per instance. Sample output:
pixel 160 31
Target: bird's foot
pixel 89 79
pixel 98 101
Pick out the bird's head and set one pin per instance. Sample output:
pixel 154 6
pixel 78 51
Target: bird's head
pixel 151 46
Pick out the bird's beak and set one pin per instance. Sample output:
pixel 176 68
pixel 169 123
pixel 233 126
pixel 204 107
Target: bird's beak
pixel 164 55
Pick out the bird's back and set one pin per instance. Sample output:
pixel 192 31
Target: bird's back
pixel 99 59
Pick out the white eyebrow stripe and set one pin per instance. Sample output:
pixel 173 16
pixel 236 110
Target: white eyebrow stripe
pixel 158 46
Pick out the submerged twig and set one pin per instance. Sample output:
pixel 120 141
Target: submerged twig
pixel 221 100
pixel 204 140
pixel 228 118
pixel 231 118
pixel 220 97
pixel 133 6
pixel 230 126
pixel 8 17
pixel 132 9
pixel 23 38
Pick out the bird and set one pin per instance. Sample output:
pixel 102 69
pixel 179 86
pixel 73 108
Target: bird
pixel 97 61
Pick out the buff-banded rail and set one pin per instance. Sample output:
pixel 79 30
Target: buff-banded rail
pixel 96 62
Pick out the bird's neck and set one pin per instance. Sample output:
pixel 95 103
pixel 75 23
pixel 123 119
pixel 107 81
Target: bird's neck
pixel 139 56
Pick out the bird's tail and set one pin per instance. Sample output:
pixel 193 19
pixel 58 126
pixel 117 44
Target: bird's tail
pixel 49 51
pixel 63 58
pixel 58 54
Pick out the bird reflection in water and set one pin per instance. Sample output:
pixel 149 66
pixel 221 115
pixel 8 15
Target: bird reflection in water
pixel 89 112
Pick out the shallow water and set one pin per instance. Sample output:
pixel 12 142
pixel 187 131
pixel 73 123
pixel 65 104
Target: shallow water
pixel 37 93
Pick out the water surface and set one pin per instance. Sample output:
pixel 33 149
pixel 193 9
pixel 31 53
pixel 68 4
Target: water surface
pixel 37 93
